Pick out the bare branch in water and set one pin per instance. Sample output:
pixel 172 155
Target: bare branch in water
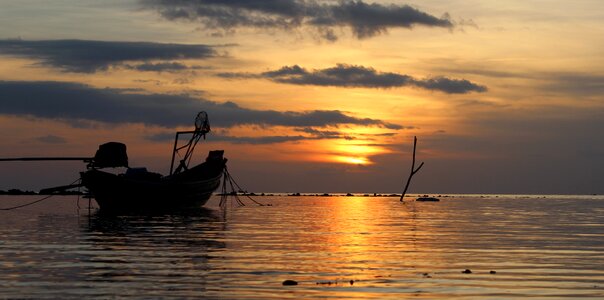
pixel 413 170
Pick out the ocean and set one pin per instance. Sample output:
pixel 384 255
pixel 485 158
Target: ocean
pixel 336 247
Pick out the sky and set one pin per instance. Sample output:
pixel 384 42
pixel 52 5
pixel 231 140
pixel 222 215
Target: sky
pixel 312 96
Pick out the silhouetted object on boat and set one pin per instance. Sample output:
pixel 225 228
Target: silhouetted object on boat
pixel 110 155
pixel 413 169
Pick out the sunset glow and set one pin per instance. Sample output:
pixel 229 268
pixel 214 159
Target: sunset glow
pixel 302 149
pixel 352 160
pixel 486 87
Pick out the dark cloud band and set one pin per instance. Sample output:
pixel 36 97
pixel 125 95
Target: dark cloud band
pixel 75 102
pixel 343 75
pixel 170 67
pixel 364 19
pixel 85 56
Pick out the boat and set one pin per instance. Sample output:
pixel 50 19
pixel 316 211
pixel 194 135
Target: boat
pixel 137 189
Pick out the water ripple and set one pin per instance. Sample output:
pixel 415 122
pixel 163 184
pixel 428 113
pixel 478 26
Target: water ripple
pixel 335 247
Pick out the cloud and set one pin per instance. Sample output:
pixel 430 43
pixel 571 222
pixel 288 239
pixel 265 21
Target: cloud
pixel 219 137
pixel 86 56
pixel 171 67
pixel 364 19
pixel 450 86
pixel 260 140
pixel 310 134
pixel 577 84
pixel 75 102
pixel 343 75
pixel 574 84
pixel 324 134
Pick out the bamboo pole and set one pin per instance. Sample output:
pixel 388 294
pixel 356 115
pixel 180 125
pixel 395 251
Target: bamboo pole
pixel 413 169
pixel 84 159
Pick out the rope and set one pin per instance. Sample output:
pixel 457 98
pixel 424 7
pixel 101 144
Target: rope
pixel 34 202
pixel 225 195
pixel 230 181
pixel 27 204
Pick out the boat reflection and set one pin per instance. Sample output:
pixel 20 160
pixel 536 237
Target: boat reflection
pixel 158 252
pixel 193 226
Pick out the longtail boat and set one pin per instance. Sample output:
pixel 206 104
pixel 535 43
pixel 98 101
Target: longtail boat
pixel 137 189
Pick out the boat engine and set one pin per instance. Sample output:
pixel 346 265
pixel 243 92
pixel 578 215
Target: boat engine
pixel 110 155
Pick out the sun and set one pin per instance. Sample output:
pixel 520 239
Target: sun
pixel 355 160
pixel 354 147
pixel 356 154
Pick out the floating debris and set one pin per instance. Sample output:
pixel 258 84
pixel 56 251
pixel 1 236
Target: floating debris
pixel 290 282
pixel 467 271
pixel 492 272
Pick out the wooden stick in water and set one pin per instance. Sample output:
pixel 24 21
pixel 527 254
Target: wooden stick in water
pixel 413 170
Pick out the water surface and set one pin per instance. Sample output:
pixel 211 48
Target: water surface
pixel 334 247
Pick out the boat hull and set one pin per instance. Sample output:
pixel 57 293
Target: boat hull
pixel 145 192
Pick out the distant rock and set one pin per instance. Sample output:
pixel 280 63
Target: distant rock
pixel 432 199
pixel 14 192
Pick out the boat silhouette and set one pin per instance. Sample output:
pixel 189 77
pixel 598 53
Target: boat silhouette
pixel 138 190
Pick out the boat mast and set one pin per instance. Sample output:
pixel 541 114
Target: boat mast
pixel 202 127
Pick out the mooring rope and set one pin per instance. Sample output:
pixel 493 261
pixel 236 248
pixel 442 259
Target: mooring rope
pixel 27 204
pixel 34 202
pixel 228 179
